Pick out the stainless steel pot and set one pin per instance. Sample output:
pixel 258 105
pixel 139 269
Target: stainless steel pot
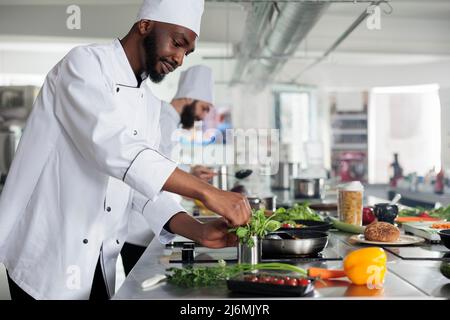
pixel 247 254
pixel 255 202
pixel 306 243
pixel 307 188
pixel 269 203
pixel 286 170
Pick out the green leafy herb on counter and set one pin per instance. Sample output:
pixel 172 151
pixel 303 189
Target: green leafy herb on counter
pixel 259 226
pixel 441 213
pixel 192 277
pixel 300 211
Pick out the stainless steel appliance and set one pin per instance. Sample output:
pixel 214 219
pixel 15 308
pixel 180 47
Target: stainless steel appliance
pixel 15 106
pixel 10 133
pixel 220 181
pixel 286 170
pixel 307 188
pixel 270 203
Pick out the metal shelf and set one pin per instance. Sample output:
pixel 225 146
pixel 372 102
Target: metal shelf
pixel 349 146
pixel 349 131
pixel 356 116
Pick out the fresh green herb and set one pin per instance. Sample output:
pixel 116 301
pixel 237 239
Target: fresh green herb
pixel 259 226
pixel 300 211
pixel 192 277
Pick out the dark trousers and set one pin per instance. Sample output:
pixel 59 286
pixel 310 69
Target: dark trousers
pixel 99 292
pixel 130 253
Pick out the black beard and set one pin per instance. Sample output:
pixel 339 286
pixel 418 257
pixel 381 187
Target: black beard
pixel 188 116
pixel 151 59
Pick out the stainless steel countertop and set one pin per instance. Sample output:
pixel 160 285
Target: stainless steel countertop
pixel 418 279
pixel 404 279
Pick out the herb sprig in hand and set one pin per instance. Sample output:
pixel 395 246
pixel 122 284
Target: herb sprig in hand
pixel 259 225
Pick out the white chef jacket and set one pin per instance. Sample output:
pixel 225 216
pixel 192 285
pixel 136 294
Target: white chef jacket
pixel 86 146
pixel 139 231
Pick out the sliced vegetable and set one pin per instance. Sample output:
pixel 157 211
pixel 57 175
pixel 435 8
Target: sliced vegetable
pixel 346 227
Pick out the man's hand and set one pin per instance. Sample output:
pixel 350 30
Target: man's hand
pixel 203 173
pixel 232 206
pixel 215 235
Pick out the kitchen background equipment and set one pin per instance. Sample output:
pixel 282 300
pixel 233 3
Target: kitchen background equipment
pixel 306 243
pixel 269 203
pixel 445 237
pixel 10 134
pixel 15 105
pixel 307 188
pixel 220 181
pixel 242 174
pixel 423 252
pixel 286 170
pixel 386 212
pixel 255 202
pixel 188 253
pixel 423 229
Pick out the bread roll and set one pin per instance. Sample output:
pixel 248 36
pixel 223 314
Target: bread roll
pixel 382 232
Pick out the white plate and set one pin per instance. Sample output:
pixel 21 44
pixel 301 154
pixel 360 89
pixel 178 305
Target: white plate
pixel 404 240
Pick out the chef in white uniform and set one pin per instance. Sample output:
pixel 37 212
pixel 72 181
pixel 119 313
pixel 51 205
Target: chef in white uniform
pixel 192 102
pixel 88 146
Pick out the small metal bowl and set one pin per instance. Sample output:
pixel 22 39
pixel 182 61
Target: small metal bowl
pixel 305 243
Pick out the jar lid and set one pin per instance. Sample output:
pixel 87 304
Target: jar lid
pixel 352 186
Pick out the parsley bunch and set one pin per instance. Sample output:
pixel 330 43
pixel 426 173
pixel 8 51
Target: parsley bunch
pixel 259 225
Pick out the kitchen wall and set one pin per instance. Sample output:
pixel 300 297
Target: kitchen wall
pixel 444 95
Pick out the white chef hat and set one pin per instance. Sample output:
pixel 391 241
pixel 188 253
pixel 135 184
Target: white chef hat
pixel 196 83
pixel 185 13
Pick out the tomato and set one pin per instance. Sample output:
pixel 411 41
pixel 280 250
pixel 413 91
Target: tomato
pixel 424 214
pixel 292 282
pixel 278 281
pixel 251 278
pixel 368 215
pixel 286 225
pixel 265 279
pixel 303 282
pixel 287 278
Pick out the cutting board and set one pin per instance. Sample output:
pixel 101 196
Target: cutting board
pixel 423 229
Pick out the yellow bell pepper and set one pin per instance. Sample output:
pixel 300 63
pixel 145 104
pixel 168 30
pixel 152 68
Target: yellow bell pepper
pixel 366 267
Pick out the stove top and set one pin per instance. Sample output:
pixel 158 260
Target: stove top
pixel 429 252
pixel 205 255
